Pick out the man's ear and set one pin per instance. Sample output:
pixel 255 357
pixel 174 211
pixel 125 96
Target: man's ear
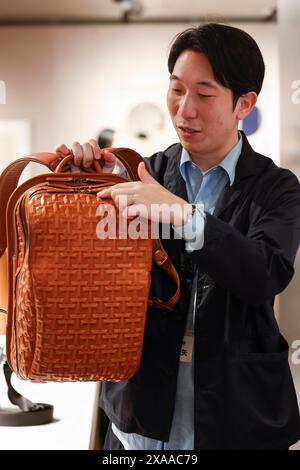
pixel 245 104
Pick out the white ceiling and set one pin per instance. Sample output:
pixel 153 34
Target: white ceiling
pixel 109 9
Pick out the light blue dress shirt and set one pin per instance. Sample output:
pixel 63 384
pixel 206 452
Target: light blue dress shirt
pixel 203 188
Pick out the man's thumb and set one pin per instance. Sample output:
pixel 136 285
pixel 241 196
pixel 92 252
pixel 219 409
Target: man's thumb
pixel 144 174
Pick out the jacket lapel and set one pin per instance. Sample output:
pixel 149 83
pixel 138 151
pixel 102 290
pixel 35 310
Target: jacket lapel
pixel 248 165
pixel 226 198
pixel 173 180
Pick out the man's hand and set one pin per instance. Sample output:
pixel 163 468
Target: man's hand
pixel 85 154
pixel 149 199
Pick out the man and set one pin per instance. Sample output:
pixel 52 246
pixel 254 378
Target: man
pixel 214 372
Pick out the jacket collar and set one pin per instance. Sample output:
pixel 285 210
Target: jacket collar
pixel 249 164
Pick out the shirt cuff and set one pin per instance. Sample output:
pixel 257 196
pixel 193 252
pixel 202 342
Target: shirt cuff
pixel 193 231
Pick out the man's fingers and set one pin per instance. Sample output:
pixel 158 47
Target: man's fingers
pixel 108 161
pixel 78 153
pixel 88 155
pixel 96 148
pixel 118 189
pixel 62 149
pixel 135 210
pixel 108 157
pixel 85 154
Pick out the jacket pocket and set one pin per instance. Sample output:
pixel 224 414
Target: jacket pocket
pixel 263 411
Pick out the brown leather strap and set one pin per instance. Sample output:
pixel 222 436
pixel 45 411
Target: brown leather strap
pixel 3 316
pixel 96 167
pixel 3 292
pixel 9 180
pixel 130 160
pixel 163 260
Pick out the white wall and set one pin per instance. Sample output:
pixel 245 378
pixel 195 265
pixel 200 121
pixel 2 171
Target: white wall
pixel 70 82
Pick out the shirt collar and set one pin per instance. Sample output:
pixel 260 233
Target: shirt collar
pixel 228 163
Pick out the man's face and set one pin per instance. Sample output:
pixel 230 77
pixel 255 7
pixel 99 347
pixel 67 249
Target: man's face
pixel 201 109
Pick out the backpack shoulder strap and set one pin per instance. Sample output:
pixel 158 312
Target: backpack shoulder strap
pixel 162 259
pixel 9 181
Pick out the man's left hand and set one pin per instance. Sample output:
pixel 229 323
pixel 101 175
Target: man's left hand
pixel 148 199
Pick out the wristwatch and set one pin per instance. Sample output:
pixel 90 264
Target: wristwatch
pixel 190 215
pixel 194 207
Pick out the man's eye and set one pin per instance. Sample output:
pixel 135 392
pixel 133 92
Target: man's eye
pixel 176 90
pixel 205 96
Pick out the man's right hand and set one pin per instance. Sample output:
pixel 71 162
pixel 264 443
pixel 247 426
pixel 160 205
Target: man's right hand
pixel 85 154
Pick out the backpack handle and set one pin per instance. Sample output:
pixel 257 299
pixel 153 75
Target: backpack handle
pixel 96 167
pixel 128 157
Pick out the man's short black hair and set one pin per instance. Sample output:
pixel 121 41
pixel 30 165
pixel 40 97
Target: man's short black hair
pixel 233 54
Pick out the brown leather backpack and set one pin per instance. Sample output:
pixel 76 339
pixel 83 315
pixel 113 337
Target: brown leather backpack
pixel 76 303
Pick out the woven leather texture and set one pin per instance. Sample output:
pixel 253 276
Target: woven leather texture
pixel 80 302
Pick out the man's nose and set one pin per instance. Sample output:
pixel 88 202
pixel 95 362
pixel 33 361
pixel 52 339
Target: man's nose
pixel 187 107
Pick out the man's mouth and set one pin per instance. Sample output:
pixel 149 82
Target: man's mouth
pixel 188 130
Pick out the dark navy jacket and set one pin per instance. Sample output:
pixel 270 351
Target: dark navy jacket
pixel 244 393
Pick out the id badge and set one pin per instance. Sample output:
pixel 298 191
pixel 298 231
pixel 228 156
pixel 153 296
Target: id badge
pixel 187 348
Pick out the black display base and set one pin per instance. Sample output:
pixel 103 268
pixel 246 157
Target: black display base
pixel 27 413
pixel 42 414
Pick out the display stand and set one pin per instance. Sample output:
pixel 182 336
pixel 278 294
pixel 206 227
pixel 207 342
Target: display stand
pixel 27 413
